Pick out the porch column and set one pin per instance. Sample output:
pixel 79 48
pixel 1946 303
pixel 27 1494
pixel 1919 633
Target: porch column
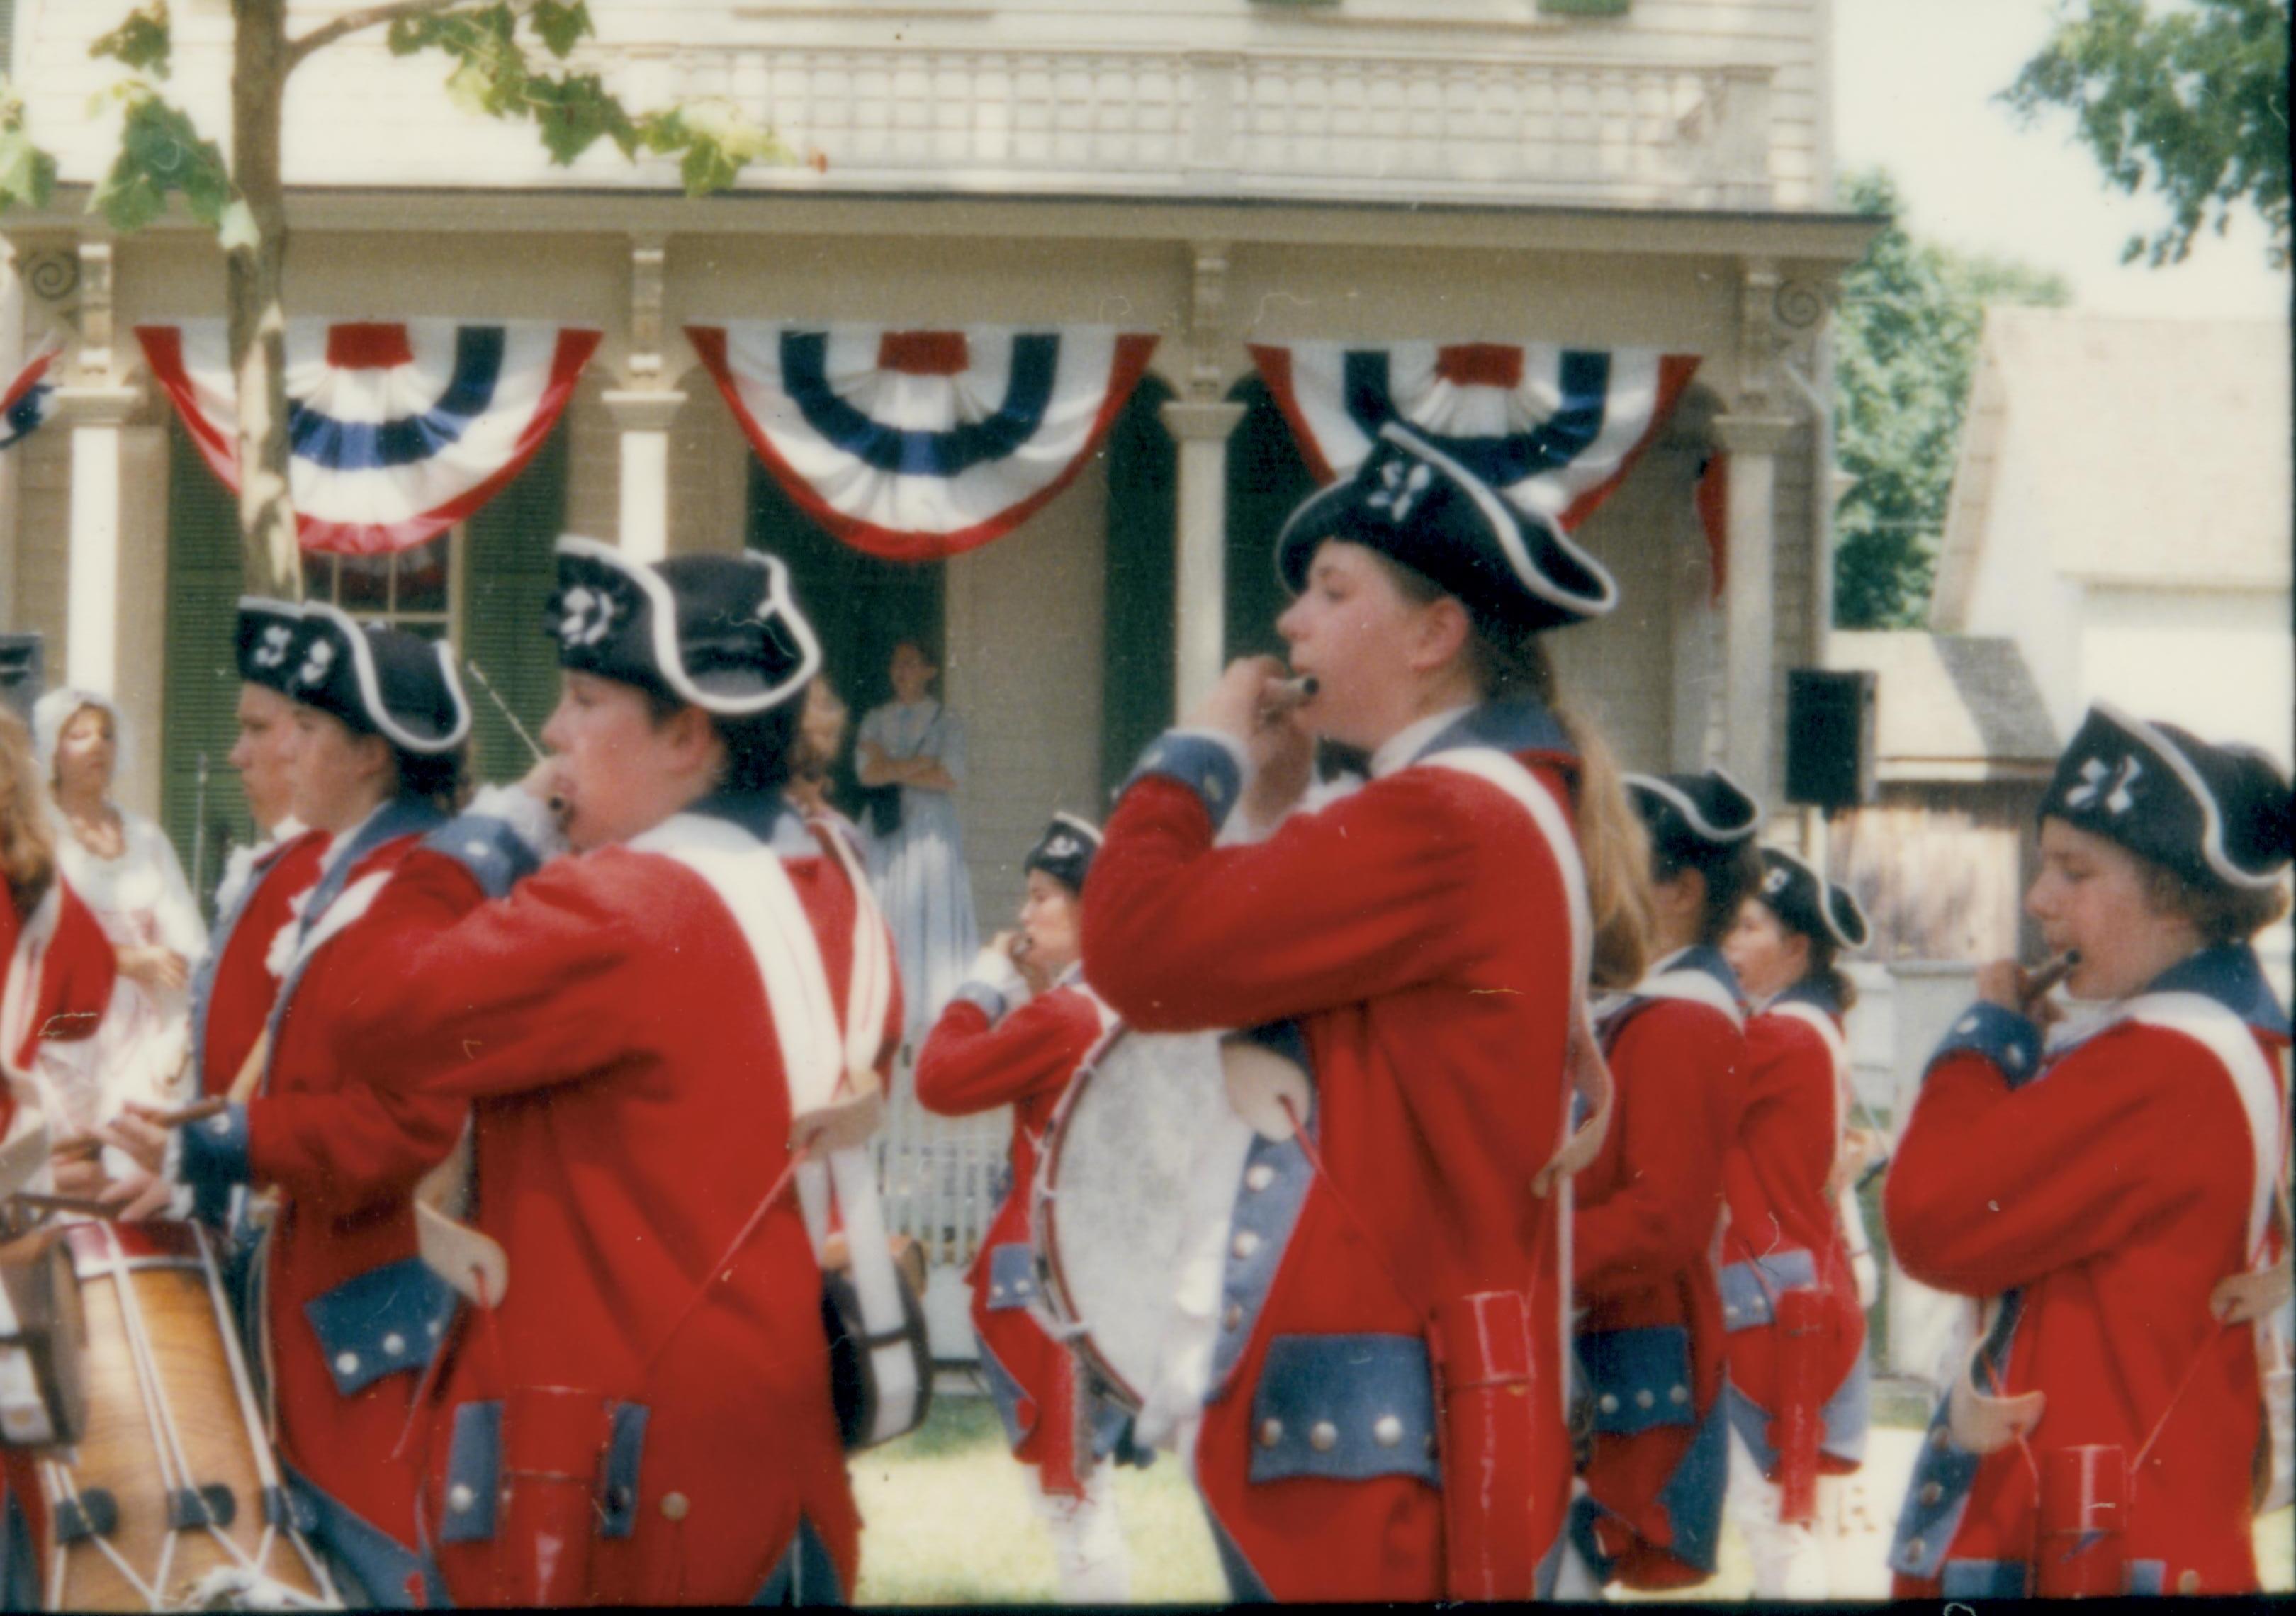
pixel 98 415
pixel 1751 746
pixel 645 416
pixel 1200 593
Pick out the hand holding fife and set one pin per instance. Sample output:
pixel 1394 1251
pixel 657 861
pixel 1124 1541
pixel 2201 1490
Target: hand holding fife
pixel 2010 985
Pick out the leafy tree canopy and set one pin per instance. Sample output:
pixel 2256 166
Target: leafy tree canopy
pixel 2190 102
pixel 1906 340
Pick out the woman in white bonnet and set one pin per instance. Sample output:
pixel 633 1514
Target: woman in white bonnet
pixel 124 868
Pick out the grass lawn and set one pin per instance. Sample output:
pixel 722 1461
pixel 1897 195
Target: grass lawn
pixel 948 1521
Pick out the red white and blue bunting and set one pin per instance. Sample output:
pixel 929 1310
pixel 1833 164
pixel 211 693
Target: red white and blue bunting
pixel 399 430
pixel 1553 429
pixel 915 444
pixel 30 397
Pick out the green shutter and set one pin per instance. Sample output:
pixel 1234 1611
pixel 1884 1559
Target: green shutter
pixel 1583 8
pixel 507 575
pixel 1135 702
pixel 1267 479
pixel 198 711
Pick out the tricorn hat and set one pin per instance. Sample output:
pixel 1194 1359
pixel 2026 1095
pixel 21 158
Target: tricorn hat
pixel 1064 851
pixel 1693 820
pixel 2217 815
pixel 1808 902
pixel 1416 505
pixel 378 680
pixel 266 640
pixel 722 633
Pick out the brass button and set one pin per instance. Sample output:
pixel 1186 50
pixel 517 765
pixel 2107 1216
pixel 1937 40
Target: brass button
pixel 1233 1316
pixel 672 1506
pixel 1607 1403
pixel 1915 1547
pixel 1258 1176
pixel 459 1497
pixel 1679 1395
pixel 2188 1582
pixel 1271 1432
pixel 1325 1436
pixel 347 1363
pixel 394 1344
pixel 1931 1492
pixel 1246 1243
pixel 1387 1431
pixel 1645 1398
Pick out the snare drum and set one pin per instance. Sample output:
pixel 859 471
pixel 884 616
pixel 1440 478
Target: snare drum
pixel 174 1480
pixel 1142 1162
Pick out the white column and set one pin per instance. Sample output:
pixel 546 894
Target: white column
pixel 91 616
pixel 644 417
pixel 1199 594
pixel 1749 741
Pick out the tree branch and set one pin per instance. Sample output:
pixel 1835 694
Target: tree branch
pixel 351 23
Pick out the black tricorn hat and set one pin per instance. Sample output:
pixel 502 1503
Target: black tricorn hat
pixel 2217 815
pixel 378 680
pixel 1415 505
pixel 1693 820
pixel 722 633
pixel 265 641
pixel 1808 902
pixel 1064 851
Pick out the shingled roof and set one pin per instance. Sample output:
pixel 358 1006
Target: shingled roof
pixel 1950 706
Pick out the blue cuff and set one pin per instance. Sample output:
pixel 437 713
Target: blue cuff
pixel 1205 766
pixel 2001 1036
pixel 215 1153
pixel 983 998
pixel 495 855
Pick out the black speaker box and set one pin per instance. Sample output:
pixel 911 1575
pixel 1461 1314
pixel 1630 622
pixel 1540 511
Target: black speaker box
pixel 1830 738
pixel 23 673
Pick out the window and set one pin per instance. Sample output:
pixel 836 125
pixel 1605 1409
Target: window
pixel 419 589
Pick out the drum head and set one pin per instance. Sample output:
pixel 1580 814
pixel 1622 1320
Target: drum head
pixel 1142 1161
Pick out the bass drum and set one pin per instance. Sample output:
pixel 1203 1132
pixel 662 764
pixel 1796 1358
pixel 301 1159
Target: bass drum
pixel 172 1487
pixel 1141 1164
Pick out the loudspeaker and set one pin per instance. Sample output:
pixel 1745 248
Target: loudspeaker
pixel 1830 738
pixel 23 673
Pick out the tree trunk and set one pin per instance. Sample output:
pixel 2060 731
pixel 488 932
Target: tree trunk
pixel 258 322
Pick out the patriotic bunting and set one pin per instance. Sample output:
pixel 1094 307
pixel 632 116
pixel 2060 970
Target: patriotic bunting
pixel 399 430
pixel 915 444
pixel 1553 429
pixel 30 397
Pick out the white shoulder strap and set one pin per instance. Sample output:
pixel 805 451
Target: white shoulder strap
pixel 1837 1047
pixel 817 1052
pixel 1510 776
pixel 1692 987
pixel 2224 1035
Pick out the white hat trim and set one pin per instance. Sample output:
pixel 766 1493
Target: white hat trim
pixel 1825 891
pixel 1082 827
pixel 370 687
pixel 1688 809
pixel 1508 522
pixel 665 627
pixel 2212 814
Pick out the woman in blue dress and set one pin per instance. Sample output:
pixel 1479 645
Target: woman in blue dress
pixel 913 742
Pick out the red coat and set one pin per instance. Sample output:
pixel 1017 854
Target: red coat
pixel 609 1023
pixel 1642 1252
pixel 59 980
pixel 970 1063
pixel 1785 1231
pixel 2102 1192
pixel 234 992
pixel 1415 935
pixel 349 1315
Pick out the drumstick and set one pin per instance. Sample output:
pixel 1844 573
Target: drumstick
pixel 62 1203
pixel 196 1112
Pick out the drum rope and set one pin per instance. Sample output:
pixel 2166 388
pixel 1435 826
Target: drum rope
pixel 1425 1308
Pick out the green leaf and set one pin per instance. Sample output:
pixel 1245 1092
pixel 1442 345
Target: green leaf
pixel 28 175
pixel 560 24
pixel 142 41
pixel 160 151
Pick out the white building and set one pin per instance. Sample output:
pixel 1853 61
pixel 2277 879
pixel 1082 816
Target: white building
pixel 1596 173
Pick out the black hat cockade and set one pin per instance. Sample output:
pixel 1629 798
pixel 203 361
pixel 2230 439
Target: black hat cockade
pixel 1810 903
pixel 1693 820
pixel 1064 852
pixel 1415 505
pixel 265 641
pixel 2216 815
pixel 722 633
pixel 379 681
